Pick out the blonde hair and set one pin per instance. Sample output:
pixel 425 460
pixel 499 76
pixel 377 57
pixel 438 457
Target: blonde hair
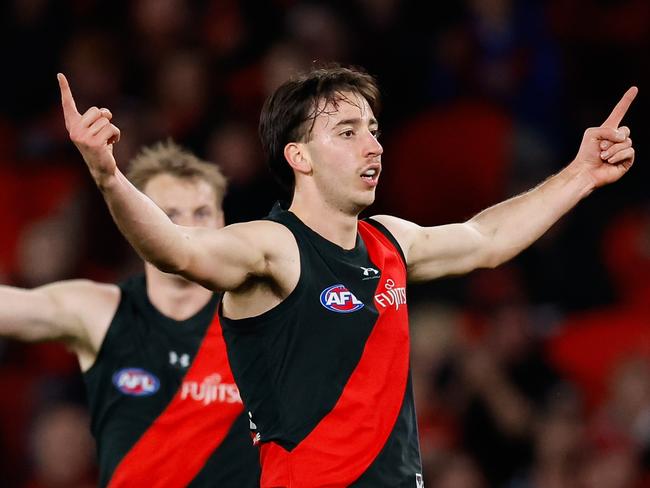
pixel 167 157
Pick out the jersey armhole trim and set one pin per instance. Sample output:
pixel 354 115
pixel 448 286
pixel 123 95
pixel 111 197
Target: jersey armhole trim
pixel 381 228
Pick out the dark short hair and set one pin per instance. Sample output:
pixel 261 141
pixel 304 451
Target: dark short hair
pixel 289 114
pixel 167 157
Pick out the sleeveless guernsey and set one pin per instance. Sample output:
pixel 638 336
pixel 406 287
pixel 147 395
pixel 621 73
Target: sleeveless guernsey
pixel 165 411
pixel 325 374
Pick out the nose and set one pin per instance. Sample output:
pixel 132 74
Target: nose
pixel 373 148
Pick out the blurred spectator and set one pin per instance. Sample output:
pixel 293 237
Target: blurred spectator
pixel 91 60
pixel 177 111
pixel 502 378
pixel 283 60
pixel 459 471
pixel 48 248
pixel 622 422
pixel 159 27
pixel 612 468
pixel 251 189
pixel 63 453
pixel 320 31
pixel 559 444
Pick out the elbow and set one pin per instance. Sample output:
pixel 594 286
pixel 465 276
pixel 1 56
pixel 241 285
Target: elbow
pixel 493 263
pixel 484 263
pixel 493 258
pixel 167 258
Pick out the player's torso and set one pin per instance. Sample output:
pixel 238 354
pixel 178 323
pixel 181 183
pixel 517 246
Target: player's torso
pixel 325 373
pixel 150 398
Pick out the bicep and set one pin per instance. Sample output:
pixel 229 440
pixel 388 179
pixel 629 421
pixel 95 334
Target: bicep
pixel 444 250
pixel 36 315
pixel 225 259
pixel 433 252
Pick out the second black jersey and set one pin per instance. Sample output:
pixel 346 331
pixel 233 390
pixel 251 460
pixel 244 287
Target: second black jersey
pixel 165 411
pixel 325 373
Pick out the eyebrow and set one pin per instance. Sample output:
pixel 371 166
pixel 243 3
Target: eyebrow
pixel 354 121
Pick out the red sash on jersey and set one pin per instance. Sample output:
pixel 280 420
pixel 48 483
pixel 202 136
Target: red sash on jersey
pixel 177 444
pixel 348 439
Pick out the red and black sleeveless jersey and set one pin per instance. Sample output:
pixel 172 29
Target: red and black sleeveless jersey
pixel 325 374
pixel 165 410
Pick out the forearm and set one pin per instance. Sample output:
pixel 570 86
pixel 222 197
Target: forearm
pixel 511 226
pixel 147 228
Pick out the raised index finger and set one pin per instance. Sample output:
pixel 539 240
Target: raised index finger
pixel 69 107
pixel 619 111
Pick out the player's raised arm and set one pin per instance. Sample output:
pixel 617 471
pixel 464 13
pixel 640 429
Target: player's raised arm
pixel 501 232
pixel 220 259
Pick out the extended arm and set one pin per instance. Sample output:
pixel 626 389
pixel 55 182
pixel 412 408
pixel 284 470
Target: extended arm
pixel 65 311
pixel 502 231
pixel 219 259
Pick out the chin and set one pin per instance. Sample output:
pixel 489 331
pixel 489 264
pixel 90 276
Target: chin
pixel 361 204
pixel 369 198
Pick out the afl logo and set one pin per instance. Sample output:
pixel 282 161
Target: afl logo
pixel 136 382
pixel 338 298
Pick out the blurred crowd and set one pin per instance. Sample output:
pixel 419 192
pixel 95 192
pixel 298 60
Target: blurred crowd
pixel 534 375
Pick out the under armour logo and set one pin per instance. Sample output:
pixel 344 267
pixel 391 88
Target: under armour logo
pixel 182 360
pixel 370 272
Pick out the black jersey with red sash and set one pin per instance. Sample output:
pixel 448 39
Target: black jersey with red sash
pixel 165 411
pixel 325 374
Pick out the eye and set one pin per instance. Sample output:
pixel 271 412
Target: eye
pixel 203 212
pixel 348 133
pixel 375 133
pixel 172 214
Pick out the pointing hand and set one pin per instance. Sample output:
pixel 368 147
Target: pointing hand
pixel 92 133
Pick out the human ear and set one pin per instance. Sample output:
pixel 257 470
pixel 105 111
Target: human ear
pixel 297 156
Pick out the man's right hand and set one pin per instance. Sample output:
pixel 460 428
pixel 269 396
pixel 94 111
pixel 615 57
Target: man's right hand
pixel 92 133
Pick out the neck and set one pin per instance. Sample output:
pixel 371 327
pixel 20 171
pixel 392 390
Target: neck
pixel 174 296
pixel 333 223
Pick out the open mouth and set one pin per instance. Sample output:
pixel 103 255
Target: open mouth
pixel 370 175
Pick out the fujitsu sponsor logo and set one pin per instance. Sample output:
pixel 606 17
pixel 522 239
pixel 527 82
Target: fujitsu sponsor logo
pixel 392 296
pixel 210 390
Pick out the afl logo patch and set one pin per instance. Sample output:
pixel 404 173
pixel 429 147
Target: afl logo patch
pixel 136 382
pixel 338 298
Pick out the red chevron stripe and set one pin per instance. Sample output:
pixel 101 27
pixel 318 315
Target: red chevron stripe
pixel 177 444
pixel 346 441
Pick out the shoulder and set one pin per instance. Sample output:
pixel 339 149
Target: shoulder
pixel 93 303
pixel 272 238
pixel 403 231
pixel 101 301
pixel 88 307
pixel 257 226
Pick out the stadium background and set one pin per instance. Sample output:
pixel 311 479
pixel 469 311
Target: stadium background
pixel 532 375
